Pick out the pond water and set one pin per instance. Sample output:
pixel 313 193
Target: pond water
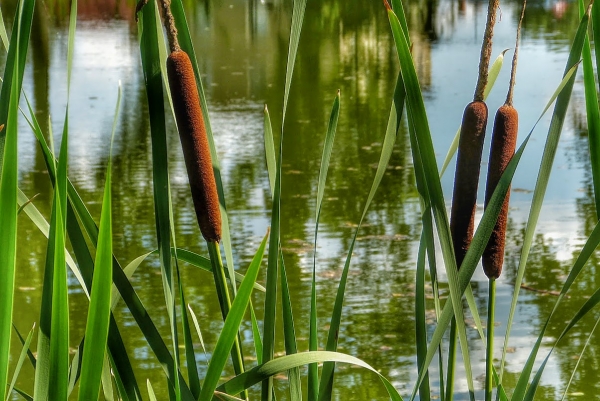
pixel 242 51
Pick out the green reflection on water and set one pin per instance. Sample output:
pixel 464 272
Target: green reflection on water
pixel 242 49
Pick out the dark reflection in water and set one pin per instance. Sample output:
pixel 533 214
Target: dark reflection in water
pixel 242 53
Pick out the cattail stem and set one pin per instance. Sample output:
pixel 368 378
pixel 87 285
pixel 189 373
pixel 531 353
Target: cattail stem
pixel 513 69
pixel 489 355
pixel 486 50
pixel 225 302
pixel 169 22
pixel 451 361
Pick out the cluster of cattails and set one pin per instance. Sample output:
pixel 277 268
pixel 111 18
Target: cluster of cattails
pixel 470 148
pixel 504 139
pixel 192 132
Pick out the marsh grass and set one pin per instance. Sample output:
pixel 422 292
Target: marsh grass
pixel 101 363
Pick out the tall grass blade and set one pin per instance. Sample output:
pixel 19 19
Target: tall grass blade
pixel 96 332
pixel 15 64
pixel 30 355
pixel 151 394
pixel 3 33
pixel 150 28
pixel 8 217
pixel 313 340
pixel 284 363
pixel 289 333
pixel 554 132
pixel 592 112
pixel 59 325
pixel 270 149
pixel 24 352
pixel 393 125
pixel 423 145
pixel 231 327
pixel 274 242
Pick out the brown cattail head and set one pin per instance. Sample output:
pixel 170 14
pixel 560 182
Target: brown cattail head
pixel 504 142
pixel 194 142
pixel 466 178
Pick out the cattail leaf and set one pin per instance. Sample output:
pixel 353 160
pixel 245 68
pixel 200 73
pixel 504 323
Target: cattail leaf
pixel 493 73
pixel 592 112
pixel 29 353
pixel 107 388
pixel 258 345
pixel 313 373
pixel 151 394
pixel 393 125
pixel 15 64
pixel 421 144
pixel 275 241
pixel 420 312
pixel 151 35
pixel 284 363
pixel 24 352
pixel 96 331
pixel 289 334
pixel 197 327
pixel 231 327
pixel 579 358
pixel 558 117
pixel 9 100
pixel 270 149
pixel 3 33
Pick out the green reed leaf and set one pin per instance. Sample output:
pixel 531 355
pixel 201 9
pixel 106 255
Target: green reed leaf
pixel 270 149
pixel 284 363
pixel 24 352
pixel 8 217
pixel 231 327
pixel 96 332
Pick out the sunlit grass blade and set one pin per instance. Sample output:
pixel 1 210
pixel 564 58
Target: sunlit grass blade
pixel 558 118
pixel 30 355
pixel 313 341
pixel 151 394
pixel 8 234
pixel 420 312
pixel 96 332
pixel 393 125
pixel 270 149
pixel 198 331
pixel 258 345
pixel 493 73
pixel 107 388
pixel 22 356
pixel 230 329
pixel 3 33
pixel 289 333
pixel 284 363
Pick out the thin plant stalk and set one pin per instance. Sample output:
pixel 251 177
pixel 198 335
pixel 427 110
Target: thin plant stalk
pixel 489 354
pixel 218 270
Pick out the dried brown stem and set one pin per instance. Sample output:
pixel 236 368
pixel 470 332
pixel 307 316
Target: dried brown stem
pixel 486 50
pixel 169 22
pixel 513 70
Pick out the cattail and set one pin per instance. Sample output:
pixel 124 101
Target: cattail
pixel 468 161
pixel 470 147
pixel 196 151
pixel 192 133
pixel 502 149
pixel 504 142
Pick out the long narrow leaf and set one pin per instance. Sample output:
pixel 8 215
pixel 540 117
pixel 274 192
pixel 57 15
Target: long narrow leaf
pixel 231 327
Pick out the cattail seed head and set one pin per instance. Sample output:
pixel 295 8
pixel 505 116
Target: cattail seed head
pixel 466 178
pixel 504 142
pixel 196 151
